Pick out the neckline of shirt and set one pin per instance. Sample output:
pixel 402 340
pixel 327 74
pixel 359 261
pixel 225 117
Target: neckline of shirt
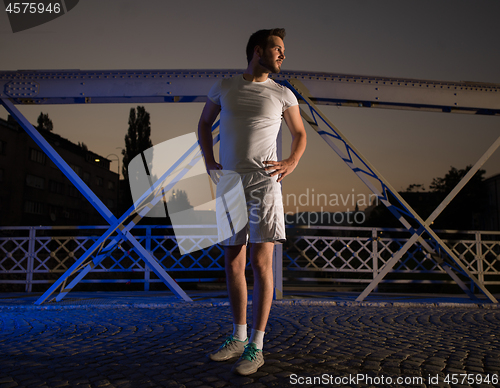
pixel 255 82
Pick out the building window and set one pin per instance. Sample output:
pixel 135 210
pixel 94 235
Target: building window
pixel 55 212
pixel 37 156
pixel 86 177
pixel 99 181
pixel 76 169
pixel 111 185
pixel 2 147
pixel 73 192
pixel 111 204
pixel 34 207
pixel 56 187
pixel 72 214
pixel 35 181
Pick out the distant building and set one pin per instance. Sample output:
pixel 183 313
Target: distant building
pixel 491 218
pixel 33 191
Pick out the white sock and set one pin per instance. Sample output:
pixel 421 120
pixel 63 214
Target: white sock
pixel 257 338
pixel 240 332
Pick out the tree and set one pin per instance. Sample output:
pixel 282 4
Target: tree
pixel 137 138
pixel 452 177
pixel 415 188
pixel 83 146
pixel 462 212
pixel 44 123
pixel 179 201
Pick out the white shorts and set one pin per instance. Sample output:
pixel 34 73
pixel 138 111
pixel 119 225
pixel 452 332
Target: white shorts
pixel 264 202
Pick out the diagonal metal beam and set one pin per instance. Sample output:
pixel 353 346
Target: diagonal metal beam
pixel 157 191
pixel 93 199
pixel 363 168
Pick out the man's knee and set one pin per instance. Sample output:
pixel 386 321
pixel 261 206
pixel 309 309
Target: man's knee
pixel 261 269
pixel 235 258
pixel 261 258
pixel 235 268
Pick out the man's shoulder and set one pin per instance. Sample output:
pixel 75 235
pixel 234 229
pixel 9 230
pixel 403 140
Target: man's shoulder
pixel 279 86
pixel 225 83
pixel 276 84
pixel 285 91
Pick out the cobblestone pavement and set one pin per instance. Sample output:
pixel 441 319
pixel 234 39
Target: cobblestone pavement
pixel 167 347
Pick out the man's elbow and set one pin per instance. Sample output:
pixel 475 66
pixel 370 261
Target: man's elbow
pixel 300 136
pixel 204 127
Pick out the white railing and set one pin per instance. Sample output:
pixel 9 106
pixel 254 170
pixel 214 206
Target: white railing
pixel 325 255
pixel 356 255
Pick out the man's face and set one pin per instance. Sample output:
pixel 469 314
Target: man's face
pixel 273 55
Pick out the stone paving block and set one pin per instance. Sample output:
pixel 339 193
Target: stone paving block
pixel 220 384
pixel 102 383
pixel 146 384
pixel 241 380
pixel 59 384
pixel 254 385
pixel 474 369
pixel 295 361
pixel 456 365
pixel 121 383
pixel 267 379
pixel 9 384
pixel 372 366
pixel 283 374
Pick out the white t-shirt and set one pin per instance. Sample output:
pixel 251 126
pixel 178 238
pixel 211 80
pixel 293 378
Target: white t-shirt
pixel 250 119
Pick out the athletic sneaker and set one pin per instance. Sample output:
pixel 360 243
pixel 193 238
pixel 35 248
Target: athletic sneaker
pixel 229 349
pixel 250 361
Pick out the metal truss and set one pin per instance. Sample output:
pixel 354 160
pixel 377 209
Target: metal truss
pixel 401 210
pixel 167 86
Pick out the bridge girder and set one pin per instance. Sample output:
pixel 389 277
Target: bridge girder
pixel 161 86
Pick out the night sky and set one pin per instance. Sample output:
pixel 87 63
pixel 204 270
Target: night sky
pixel 434 40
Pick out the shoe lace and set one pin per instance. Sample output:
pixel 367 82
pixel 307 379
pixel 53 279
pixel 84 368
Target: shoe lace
pixel 227 342
pixel 250 353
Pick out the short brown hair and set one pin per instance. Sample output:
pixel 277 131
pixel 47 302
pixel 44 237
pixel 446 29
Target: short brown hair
pixel 260 38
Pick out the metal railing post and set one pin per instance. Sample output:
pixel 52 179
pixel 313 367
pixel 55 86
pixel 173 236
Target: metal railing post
pixel 278 271
pixel 480 258
pixel 147 271
pixel 375 255
pixel 31 255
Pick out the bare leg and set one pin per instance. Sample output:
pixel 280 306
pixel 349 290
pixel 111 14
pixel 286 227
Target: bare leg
pixel 261 258
pixel 235 261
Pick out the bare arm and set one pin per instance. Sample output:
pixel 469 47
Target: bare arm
pixel 299 140
pixel 208 116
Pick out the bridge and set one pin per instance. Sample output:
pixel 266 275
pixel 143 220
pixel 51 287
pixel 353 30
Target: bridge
pixel 312 89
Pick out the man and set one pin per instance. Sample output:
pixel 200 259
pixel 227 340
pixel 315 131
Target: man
pixel 251 107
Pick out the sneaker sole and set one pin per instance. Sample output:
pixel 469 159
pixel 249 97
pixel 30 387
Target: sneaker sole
pixel 224 358
pixel 248 372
